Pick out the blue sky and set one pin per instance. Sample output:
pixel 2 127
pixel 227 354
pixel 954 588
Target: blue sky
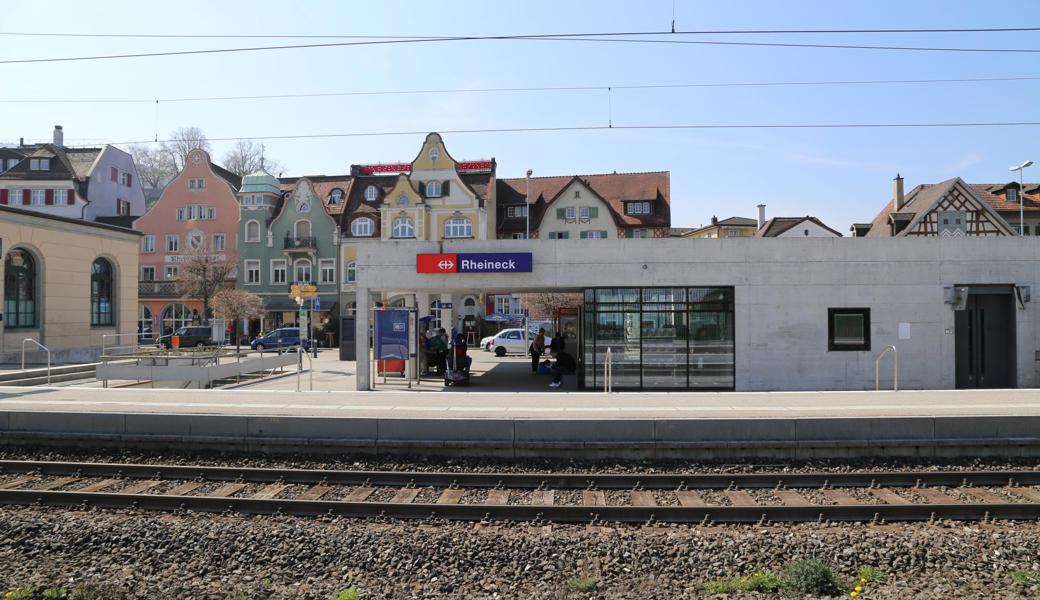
pixel 842 176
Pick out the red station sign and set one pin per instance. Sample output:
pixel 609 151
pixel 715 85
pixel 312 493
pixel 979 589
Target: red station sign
pixel 436 263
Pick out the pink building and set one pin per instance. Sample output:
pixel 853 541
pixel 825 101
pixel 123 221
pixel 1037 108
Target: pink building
pixel 197 209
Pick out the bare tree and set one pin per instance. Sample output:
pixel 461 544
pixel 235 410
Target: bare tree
pixel 182 141
pixel 247 156
pixel 547 305
pixel 204 273
pixel 155 165
pixel 234 305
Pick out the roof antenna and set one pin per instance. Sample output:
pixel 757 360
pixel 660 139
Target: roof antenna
pixel 673 16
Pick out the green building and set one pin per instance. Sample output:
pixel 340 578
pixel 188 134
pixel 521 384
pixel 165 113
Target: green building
pixel 286 237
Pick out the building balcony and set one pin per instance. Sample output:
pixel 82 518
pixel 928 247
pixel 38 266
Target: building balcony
pixel 160 289
pixel 300 243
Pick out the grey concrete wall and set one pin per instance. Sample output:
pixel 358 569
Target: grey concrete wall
pixel 783 288
pixel 704 438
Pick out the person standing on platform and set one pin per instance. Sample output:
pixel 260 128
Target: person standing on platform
pixel 537 348
pixel 565 363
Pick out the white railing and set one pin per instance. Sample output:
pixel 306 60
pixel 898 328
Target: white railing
pixel 608 372
pixel 45 349
pixel 115 342
pixel 895 369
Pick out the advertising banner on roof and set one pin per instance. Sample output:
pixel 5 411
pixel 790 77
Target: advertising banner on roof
pixel 482 262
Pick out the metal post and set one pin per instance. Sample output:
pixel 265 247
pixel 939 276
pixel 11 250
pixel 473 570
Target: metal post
pixel 527 207
pixel 895 369
pixel 608 371
pixel 1021 202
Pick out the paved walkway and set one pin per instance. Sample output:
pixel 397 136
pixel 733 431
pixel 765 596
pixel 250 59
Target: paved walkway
pixel 542 405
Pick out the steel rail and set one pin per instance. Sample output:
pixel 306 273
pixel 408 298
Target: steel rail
pixel 604 481
pixel 527 512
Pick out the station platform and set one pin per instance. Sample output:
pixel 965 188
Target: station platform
pixel 675 425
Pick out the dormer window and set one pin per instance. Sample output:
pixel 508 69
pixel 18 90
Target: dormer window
pixel 434 154
pixel 1011 194
pixel 335 196
pixel 433 189
pixel 371 193
pixel 39 164
pixel 637 208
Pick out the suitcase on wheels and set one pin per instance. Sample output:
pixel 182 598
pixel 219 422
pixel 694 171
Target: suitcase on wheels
pixel 454 377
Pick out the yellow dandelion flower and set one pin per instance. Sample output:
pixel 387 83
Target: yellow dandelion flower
pixel 859 588
pixel 862 580
pixel 853 594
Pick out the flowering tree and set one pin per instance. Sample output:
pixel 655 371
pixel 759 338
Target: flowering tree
pixel 234 305
pixel 204 273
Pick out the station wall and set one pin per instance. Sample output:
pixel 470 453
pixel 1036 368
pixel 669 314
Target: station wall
pixel 783 289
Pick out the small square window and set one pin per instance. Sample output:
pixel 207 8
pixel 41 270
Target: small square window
pixel 848 329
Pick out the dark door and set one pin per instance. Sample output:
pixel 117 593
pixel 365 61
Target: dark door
pixel 985 342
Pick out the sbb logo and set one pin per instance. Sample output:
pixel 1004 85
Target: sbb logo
pixel 436 263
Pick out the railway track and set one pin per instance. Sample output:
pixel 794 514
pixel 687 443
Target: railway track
pixel 548 497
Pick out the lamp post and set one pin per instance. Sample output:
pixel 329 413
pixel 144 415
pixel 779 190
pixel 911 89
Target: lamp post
pixel 527 207
pixel 1021 195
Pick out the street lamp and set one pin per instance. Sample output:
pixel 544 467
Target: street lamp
pixel 527 207
pixel 1021 195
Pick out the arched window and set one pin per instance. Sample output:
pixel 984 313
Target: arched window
pixel 362 227
pixel 351 272
pixel 469 301
pixel 102 278
pixel 303 229
pixel 336 196
pixel 173 317
pixel 402 200
pixel 403 228
pixel 433 189
pixel 458 227
pixel 302 271
pixel 253 231
pixel 145 326
pixel 20 290
pixel 371 193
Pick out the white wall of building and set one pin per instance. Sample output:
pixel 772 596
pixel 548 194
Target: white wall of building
pixel 782 290
pixel 807 229
pixel 604 220
pixel 103 192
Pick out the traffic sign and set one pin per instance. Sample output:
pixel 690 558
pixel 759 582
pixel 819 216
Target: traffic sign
pixel 317 303
pixel 303 291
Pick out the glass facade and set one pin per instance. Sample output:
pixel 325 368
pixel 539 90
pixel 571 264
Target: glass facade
pixel 659 338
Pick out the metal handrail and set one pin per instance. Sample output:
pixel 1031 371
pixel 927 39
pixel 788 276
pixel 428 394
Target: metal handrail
pixel 136 337
pixel 608 372
pixel 46 349
pixel 310 370
pixel 895 369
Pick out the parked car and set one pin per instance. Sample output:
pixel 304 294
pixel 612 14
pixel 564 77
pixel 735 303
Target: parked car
pixel 194 336
pixel 508 341
pixel 286 337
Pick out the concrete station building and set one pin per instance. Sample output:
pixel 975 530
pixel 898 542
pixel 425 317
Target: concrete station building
pixel 760 314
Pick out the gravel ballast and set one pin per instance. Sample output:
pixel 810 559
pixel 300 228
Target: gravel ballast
pixel 137 554
pixel 150 555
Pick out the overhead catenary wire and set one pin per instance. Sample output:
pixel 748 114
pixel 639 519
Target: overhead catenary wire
pixel 588 38
pixel 900 30
pixel 674 126
pixel 521 89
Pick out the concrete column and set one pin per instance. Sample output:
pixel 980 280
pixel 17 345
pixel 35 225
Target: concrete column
pixel 363 316
pixel 413 363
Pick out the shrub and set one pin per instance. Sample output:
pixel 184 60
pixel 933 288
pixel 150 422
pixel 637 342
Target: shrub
pixel 584 585
pixel 1028 578
pixel 759 581
pixel 813 577
pixel 348 594
pixel 869 574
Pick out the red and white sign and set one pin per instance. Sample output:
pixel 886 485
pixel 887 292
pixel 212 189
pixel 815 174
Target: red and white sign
pixel 436 263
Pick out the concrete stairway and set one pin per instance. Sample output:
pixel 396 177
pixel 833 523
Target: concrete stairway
pixel 38 375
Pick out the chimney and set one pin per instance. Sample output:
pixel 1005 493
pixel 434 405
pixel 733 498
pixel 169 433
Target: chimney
pixel 761 215
pixel 897 196
pixel 59 137
pixel 714 220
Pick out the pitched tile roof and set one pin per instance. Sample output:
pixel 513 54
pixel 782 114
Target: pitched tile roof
pixel 323 186
pixel 922 197
pixel 614 188
pixel 778 225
